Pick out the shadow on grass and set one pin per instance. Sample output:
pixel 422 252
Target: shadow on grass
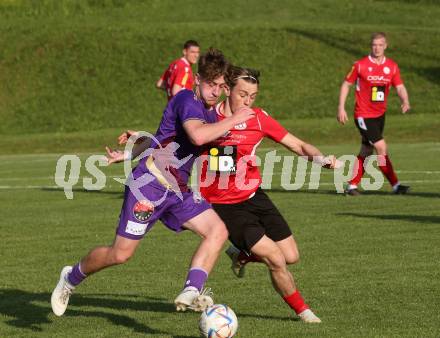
pixel 408 218
pixel 28 312
pixel 366 193
pixel 247 315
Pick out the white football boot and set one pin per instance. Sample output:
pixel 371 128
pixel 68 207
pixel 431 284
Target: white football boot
pixel 61 293
pixel 307 316
pixel 191 298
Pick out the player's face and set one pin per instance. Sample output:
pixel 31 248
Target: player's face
pixel 192 54
pixel 242 95
pixel 378 47
pixel 210 91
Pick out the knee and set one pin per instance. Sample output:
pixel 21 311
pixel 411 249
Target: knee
pixel 218 233
pixel 120 256
pixel 380 147
pixel 292 258
pixel 275 262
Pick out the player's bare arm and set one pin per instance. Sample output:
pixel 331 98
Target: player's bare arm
pixel 343 93
pixel 404 99
pixel 140 145
pixel 312 153
pixel 201 133
pixel 160 84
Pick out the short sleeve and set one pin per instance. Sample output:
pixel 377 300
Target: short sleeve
pixel 396 80
pixel 187 108
pixel 271 127
pixel 182 75
pixel 353 73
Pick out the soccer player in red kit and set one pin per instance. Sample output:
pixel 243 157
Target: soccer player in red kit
pixel 373 75
pixel 230 181
pixel 179 74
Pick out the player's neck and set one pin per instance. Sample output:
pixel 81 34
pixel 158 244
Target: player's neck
pixel 377 59
pixel 225 109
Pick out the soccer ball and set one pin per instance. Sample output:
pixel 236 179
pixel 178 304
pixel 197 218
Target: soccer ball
pixel 218 321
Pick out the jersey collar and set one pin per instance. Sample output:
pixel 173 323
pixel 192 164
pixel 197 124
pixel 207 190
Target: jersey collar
pixel 184 60
pixel 372 60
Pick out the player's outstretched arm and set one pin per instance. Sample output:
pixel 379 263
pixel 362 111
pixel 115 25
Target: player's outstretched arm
pixel 342 116
pixel 201 133
pixel 140 145
pixel 312 153
pixel 404 99
pixel 160 84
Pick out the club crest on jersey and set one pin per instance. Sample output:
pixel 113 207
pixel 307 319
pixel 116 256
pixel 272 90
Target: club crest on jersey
pixel 386 70
pixel 240 126
pixel 370 69
pixel 222 159
pixel 143 210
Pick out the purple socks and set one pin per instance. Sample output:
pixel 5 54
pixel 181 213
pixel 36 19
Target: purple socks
pixel 75 276
pixel 196 278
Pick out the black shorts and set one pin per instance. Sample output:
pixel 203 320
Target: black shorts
pixel 249 221
pixel 371 129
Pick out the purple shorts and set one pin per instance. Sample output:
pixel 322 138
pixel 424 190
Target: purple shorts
pixel 145 205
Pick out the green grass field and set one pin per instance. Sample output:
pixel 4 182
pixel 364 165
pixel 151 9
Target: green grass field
pixel 75 73
pixel 369 265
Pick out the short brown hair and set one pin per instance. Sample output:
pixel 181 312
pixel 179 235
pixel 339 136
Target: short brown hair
pixel 247 74
pixel 190 43
pixel 378 35
pixel 212 65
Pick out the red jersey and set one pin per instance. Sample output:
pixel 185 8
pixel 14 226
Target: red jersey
pixel 230 173
pixel 373 83
pixel 178 72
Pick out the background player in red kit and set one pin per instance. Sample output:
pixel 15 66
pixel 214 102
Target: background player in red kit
pixel 232 185
pixel 179 74
pixel 373 75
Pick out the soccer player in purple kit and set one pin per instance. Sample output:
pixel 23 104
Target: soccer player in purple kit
pixel 188 122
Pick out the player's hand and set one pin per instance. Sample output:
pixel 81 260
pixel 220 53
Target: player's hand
pixel 114 156
pixel 123 138
pixel 342 116
pixel 405 107
pixel 243 114
pixel 330 162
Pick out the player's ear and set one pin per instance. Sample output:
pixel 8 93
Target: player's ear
pixel 197 79
pixel 227 90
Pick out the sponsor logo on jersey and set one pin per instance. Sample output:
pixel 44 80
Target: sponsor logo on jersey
pixel 222 159
pixel 378 93
pixel 377 78
pixel 386 70
pixel 241 126
pixel 143 210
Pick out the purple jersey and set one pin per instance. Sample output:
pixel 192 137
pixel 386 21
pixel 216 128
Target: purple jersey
pixel 183 107
pixel 165 195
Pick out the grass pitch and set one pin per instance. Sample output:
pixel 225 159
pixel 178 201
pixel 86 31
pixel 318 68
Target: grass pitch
pixel 369 265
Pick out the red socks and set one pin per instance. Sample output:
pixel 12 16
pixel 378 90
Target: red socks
pixel 387 169
pixel 384 165
pixel 358 171
pixel 296 302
